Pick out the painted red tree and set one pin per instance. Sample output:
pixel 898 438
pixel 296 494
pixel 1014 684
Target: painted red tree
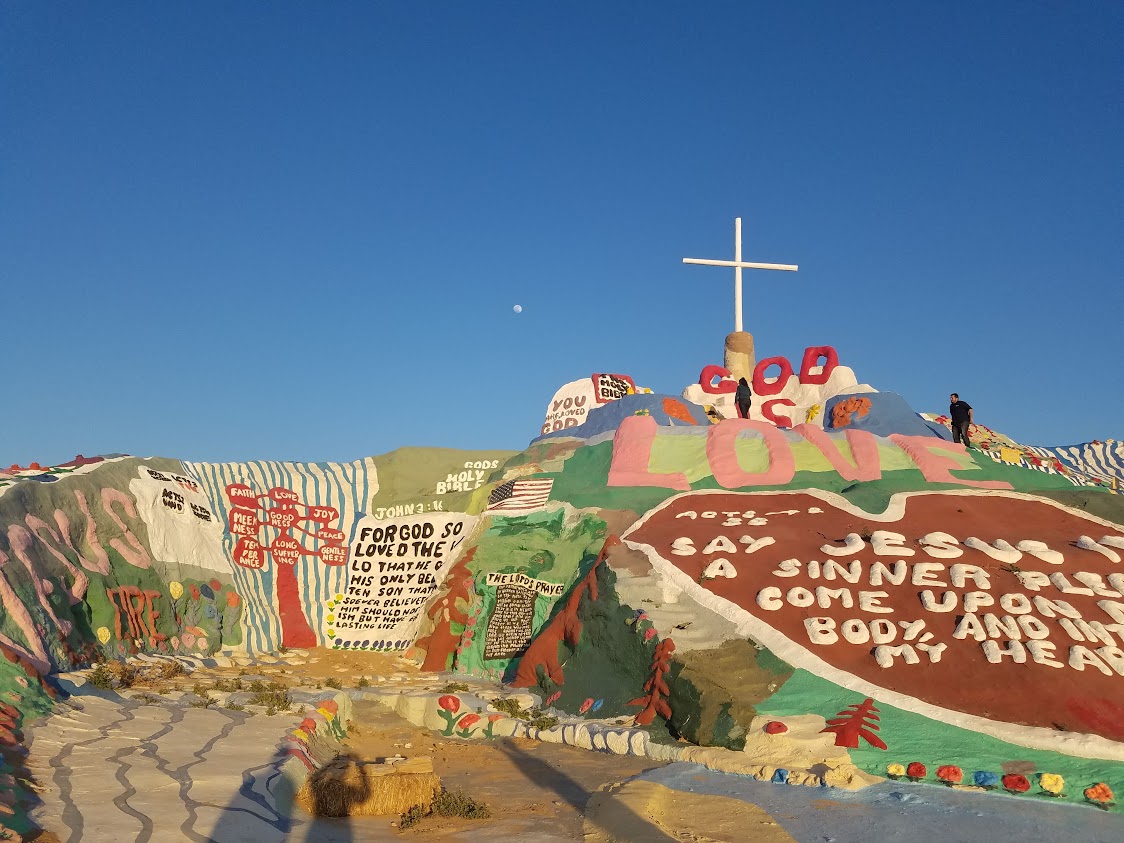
pixel 655 700
pixel 565 626
pixel 442 642
pixel 854 722
pixel 279 511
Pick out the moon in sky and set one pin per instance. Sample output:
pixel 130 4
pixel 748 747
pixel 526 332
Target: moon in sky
pixel 518 308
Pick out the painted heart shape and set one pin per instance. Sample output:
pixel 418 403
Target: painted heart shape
pixel 995 611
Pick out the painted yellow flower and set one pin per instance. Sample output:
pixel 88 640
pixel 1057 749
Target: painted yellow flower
pixel 1052 783
pixel 176 590
pixel 103 634
pixel 813 411
pixel 895 770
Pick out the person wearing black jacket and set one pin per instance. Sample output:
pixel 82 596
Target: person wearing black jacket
pixel 743 397
pixel 961 415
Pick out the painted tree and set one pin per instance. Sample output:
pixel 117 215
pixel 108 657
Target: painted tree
pixel 441 643
pixel 279 512
pixel 655 698
pixel 565 626
pixel 854 722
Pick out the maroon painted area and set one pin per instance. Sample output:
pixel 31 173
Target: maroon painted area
pixel 963 680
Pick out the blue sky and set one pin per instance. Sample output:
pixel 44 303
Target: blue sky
pixel 297 231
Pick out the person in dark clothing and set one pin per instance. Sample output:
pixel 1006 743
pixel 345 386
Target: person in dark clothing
pixel 961 414
pixel 743 397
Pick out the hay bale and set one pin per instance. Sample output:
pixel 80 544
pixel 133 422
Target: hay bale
pixel 348 787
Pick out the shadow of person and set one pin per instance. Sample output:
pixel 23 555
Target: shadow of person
pixel 574 793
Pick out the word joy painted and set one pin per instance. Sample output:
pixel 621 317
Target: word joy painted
pixel 943 598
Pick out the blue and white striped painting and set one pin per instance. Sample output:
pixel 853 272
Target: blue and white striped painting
pixel 1097 459
pixel 346 486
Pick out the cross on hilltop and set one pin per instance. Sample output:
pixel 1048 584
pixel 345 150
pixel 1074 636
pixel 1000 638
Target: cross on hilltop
pixel 738 266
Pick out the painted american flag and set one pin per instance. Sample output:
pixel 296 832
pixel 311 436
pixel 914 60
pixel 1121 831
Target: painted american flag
pixel 518 496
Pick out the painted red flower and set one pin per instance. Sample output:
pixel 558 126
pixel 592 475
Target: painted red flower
pixel 916 770
pixel 450 703
pixel 194 592
pixel 950 773
pixel 215 584
pixel 232 599
pixel 585 706
pixel 775 727
pixel 468 721
pixel 493 718
pixel 1016 783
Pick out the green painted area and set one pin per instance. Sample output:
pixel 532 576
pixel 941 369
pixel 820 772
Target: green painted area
pixel 912 737
pixel 583 478
pixel 437 478
pixel 612 660
pixel 542 545
pixel 28 698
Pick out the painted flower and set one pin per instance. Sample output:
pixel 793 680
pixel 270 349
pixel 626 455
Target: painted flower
pixel 201 644
pixel 175 642
pixel 597 706
pixel 194 592
pixel 649 633
pixel 493 718
pixel 187 639
pixel 776 727
pixel 207 591
pixel 1016 783
pixel 553 698
pixel 916 770
pixel 895 771
pixel 950 774
pixel 985 779
pixel 209 611
pixel 22 681
pixel 233 600
pixel 103 634
pixel 1052 783
pixel 215 584
pixel 1099 793
pixel 449 702
pixel 468 721
pixel 176 590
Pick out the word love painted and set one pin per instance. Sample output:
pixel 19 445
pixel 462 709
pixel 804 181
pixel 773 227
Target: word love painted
pixel 637 435
pixel 1006 607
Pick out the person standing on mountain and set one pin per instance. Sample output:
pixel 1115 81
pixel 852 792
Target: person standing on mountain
pixel 743 397
pixel 960 413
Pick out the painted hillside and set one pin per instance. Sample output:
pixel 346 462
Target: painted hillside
pixel 830 591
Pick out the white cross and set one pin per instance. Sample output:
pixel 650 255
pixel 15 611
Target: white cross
pixel 738 266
